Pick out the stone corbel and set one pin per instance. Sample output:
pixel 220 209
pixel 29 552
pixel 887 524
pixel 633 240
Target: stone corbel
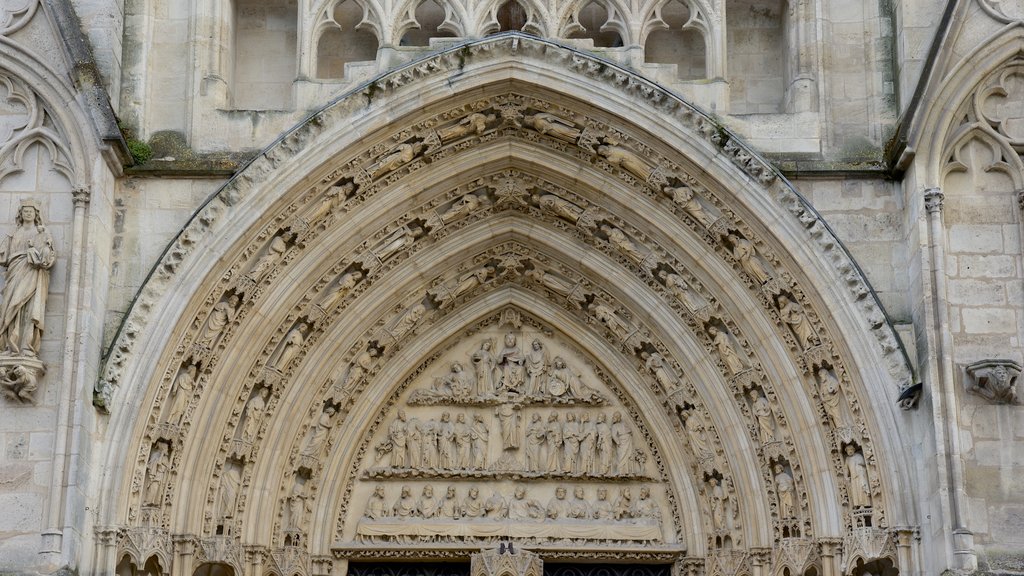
pixel 994 380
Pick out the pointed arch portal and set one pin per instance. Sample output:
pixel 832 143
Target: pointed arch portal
pixel 713 382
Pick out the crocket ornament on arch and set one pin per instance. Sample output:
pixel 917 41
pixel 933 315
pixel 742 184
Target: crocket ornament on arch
pixel 536 300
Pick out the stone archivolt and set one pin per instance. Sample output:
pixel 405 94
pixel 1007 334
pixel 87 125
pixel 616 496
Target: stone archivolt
pixel 256 279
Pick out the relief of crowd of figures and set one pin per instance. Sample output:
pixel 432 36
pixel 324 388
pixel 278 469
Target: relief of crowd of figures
pixel 509 190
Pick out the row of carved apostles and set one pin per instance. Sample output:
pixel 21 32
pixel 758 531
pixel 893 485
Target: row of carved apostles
pixel 789 311
pixel 473 507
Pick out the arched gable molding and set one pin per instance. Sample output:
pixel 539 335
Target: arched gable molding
pixel 299 157
pixel 940 121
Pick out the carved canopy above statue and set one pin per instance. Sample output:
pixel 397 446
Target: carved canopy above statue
pixel 509 292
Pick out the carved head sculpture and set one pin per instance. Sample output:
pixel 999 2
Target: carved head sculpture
pixel 456 367
pixel 450 494
pixel 520 492
pixel 995 380
pixel 536 344
pixel 401 415
pixel 535 417
pixel 626 493
pixel 712 330
pixel 28 213
pixel 460 418
pixel 783 301
pixel 601 417
pixel 570 417
pixel 713 482
pixel 850 450
pixel 778 469
pixel 616 418
pixel 585 417
pixel 510 340
pixel 754 396
pixel 264 393
pixel 578 492
pixel 378 491
pixel 558 363
pixel 485 345
pixel 478 418
pixel 474 493
pixel 406 492
pixel 560 492
pixel 428 491
pixel 645 492
pixel 553 417
pixel 602 493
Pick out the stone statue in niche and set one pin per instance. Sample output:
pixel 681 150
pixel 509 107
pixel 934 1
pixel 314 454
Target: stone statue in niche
pixel 551 125
pixel 684 197
pixel 579 508
pixel 662 373
pixel 317 436
pixel 485 366
pixel 496 507
pixel 560 207
pixel 298 507
pixel 508 420
pixel 860 487
pixel 618 239
pixel 464 206
pixel 512 364
pixel 334 198
pixel 28 255
pixel 785 490
pixel 358 368
pixel 223 314
pixel 697 432
pixel 395 242
pixel 266 262
pixel 678 287
pixel 626 159
pixel 293 342
pixel 536 366
pixel 723 344
pixel 793 315
pixel 646 507
pixel 227 495
pixel 762 412
pixel 623 506
pixel 475 123
pixel 480 436
pixel 717 497
pixel 744 252
pixel 341 288
pixel 253 414
pixel 429 456
pixel 375 506
pixel 409 319
pixel 156 473
pixel 399 156
pixel 994 380
pixel 445 296
pixel 414 443
pixel 622 438
pixel 605 315
pixel 183 387
pixel 553 282
pixel 830 397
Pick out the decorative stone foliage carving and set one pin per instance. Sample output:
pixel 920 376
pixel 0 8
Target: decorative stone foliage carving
pixel 994 380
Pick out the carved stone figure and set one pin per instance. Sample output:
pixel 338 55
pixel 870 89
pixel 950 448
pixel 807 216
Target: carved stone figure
pixel 830 397
pixel 334 198
pixel 553 282
pixel 784 487
pixel 551 125
pixel 558 506
pixel 496 507
pixel 646 507
pixel 612 321
pixel 622 438
pixel 428 506
pixel 480 436
pixel 450 507
pixel 508 419
pixel 298 508
pixel 475 123
pixel 227 497
pixel 560 207
pixel 535 435
pixel 513 366
pixel 253 414
pixel 717 497
pixel 184 386
pixel 793 315
pixel 860 487
pixel 221 316
pixel 726 352
pixel 762 412
pixel 463 442
pixel 467 282
pixel 317 436
pixel 409 320
pixel 484 367
pixel 588 444
pixel 414 442
pixel 28 255
pixel 662 372
pixel 603 464
pixel 678 287
pixel 292 344
pixel 405 505
pixel 156 474
pixel 375 507
pixel 623 507
pixel 341 288
pixel 523 508
pixel 399 439
pixel 20 382
pixel 698 435
pixel 683 196
pixel 536 366
pixel 744 252
pixel 626 159
pixel 429 457
pixel 446 442
pixel 266 262
pixel 472 506
pixel 995 380
pixel 396 241
pixel 553 440
pixel 579 508
pixel 398 157
pixel 359 367
pixel 602 509
pixel 622 243
pixel 462 207
pixel 571 435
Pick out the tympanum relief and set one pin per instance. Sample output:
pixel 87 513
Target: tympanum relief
pixel 511 433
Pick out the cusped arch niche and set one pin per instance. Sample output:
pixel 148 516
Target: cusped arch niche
pixel 540 193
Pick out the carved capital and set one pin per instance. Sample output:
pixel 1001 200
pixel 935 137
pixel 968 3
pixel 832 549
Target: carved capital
pixel 81 196
pixel 994 380
pixel 1020 198
pixel 933 198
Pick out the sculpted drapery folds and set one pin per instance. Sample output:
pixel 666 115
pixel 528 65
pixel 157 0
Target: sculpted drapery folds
pixel 28 255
